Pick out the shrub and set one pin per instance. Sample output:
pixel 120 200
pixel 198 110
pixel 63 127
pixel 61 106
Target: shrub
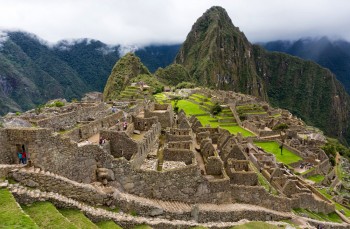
pixel 185 85
pixel 281 127
pixel 216 109
pixel 18 113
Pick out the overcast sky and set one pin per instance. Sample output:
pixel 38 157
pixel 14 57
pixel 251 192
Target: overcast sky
pixel 143 22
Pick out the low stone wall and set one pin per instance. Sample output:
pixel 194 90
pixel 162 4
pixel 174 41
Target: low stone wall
pixel 184 155
pixel 68 120
pixel 308 201
pixel 5 169
pixel 257 195
pixel 53 183
pixel 249 178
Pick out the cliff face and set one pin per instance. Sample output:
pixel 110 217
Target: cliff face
pixel 217 54
pixel 124 70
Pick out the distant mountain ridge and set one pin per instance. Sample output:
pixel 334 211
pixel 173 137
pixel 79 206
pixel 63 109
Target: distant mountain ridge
pixel 33 72
pixel 331 54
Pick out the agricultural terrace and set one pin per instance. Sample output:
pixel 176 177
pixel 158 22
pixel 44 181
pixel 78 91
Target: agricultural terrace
pixel 287 157
pixel 200 106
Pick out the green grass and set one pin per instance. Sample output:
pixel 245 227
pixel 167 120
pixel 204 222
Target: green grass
pixel 143 226
pixel 46 215
pixel 331 217
pixel 316 178
pixel 108 225
pixel 189 107
pixel 11 216
pixel 287 156
pixel 256 225
pixel 78 218
pixel 337 205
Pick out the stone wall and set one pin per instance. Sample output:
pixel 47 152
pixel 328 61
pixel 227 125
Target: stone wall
pixel 144 124
pixel 257 195
pixel 180 145
pixel 184 155
pixel 59 154
pixel 70 119
pixel 52 183
pixel 214 165
pixel 183 184
pixel 164 112
pixel 6 156
pixel 85 131
pixel 122 145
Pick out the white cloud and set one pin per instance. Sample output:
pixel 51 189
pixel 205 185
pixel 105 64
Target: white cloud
pixel 3 38
pixel 139 22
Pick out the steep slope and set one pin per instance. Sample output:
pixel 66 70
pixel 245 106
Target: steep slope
pixel 124 70
pixel 306 89
pixel 173 74
pixel 217 53
pixel 91 59
pixel 43 57
pixel 334 55
pixel 155 56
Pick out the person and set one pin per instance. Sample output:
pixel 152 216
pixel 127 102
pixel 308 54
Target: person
pixel 24 157
pixel 101 141
pixel 19 155
pixel 125 125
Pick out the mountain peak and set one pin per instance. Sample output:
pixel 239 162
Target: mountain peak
pixel 216 53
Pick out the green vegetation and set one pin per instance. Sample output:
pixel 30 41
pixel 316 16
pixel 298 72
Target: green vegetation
pixel 173 74
pixel 337 205
pixel 185 85
pixel 255 225
pixel 316 178
pixel 281 127
pixel 46 215
pixel 56 103
pixel 273 147
pixel 189 107
pixel 143 226
pixel 11 216
pixel 156 86
pixel 331 217
pixel 205 118
pixel 127 68
pixel 78 218
pixel 108 225
pixel 215 109
pixel 332 147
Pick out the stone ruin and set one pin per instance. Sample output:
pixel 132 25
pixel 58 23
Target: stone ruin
pixel 157 158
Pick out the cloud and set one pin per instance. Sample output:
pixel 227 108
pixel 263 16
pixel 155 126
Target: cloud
pixel 140 22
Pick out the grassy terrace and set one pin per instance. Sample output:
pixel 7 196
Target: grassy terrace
pixel 287 156
pixel 316 178
pixel 204 117
pixel 46 215
pixel 337 205
pixel 11 216
pixel 331 217
pixel 108 225
pixel 78 218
